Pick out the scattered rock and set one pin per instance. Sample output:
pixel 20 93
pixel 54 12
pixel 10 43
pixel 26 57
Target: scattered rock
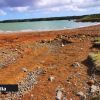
pixel 94 89
pixel 42 41
pixel 64 97
pixel 76 64
pixel 24 69
pixel 62 45
pixel 31 95
pixel 82 95
pixel 90 82
pixel 83 36
pixel 59 93
pixel 81 48
pixel 51 78
pixel 26 85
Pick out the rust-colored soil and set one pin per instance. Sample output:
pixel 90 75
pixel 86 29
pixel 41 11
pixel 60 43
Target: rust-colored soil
pixel 42 50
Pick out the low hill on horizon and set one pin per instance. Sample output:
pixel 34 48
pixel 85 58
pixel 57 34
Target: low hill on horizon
pixel 90 18
pixel 83 18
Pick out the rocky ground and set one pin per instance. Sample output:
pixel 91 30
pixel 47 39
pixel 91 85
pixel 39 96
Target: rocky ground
pixel 50 65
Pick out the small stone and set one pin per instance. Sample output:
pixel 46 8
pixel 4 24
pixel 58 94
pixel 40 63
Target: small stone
pixel 83 36
pixel 24 69
pixel 59 93
pixel 94 89
pixel 90 82
pixel 62 45
pixel 76 64
pixel 16 49
pixel 64 97
pixel 82 95
pixel 51 78
pixel 81 48
pixel 68 81
pixel 32 95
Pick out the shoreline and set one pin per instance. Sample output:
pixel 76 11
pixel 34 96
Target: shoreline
pixel 38 31
pixel 8 38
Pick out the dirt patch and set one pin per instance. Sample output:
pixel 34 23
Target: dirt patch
pixel 55 52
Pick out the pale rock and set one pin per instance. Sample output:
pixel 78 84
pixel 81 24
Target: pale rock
pixel 51 78
pixel 24 69
pixel 94 89
pixel 76 64
pixel 59 94
pixel 82 95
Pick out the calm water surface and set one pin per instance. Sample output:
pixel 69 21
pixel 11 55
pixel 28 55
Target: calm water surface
pixel 43 25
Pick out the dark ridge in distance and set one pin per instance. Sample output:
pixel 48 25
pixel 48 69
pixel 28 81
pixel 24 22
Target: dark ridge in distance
pixel 83 18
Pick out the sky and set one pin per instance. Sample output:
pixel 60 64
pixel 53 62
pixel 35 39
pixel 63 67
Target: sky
pixel 19 9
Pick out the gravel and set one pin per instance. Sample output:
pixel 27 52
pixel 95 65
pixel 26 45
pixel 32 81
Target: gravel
pixel 25 85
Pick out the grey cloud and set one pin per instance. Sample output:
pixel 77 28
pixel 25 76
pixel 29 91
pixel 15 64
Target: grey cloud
pixel 45 4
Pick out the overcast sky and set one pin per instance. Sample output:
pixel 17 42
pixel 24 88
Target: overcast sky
pixel 12 9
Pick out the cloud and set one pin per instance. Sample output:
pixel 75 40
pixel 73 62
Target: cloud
pixel 2 12
pixel 82 4
pixel 51 5
pixel 14 3
pixel 19 9
pixel 86 3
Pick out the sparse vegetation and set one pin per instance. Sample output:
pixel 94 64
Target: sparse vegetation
pixel 97 42
pixel 83 18
pixel 96 97
pixel 90 18
pixel 97 39
pixel 95 58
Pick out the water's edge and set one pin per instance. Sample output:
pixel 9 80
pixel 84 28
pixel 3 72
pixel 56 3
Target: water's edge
pixel 49 28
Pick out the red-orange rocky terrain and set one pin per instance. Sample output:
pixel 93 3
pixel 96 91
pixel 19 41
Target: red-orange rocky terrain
pixel 47 65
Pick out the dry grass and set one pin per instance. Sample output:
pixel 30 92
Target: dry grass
pixel 95 58
pixel 97 41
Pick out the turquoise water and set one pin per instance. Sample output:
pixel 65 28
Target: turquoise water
pixel 43 25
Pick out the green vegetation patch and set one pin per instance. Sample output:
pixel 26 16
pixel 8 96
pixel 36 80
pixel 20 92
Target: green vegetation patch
pixel 96 97
pixel 90 18
pixel 97 39
pixel 95 58
pixel 96 42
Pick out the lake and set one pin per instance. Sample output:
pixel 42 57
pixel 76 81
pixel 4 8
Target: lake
pixel 44 25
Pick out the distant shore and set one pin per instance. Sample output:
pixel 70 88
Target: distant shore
pixel 81 18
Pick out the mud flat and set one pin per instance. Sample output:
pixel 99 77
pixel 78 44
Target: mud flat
pixel 63 57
